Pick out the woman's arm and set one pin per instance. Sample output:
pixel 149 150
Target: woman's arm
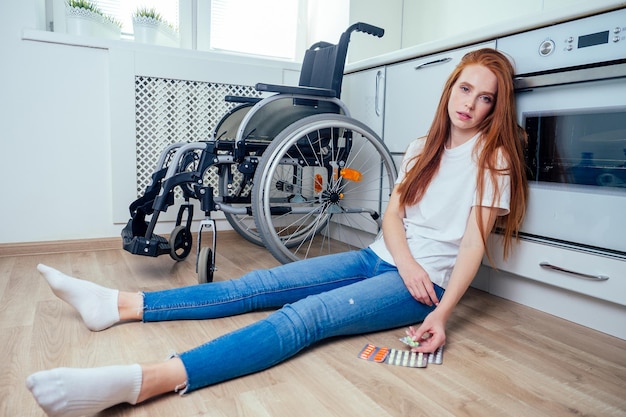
pixel 467 263
pixel 414 276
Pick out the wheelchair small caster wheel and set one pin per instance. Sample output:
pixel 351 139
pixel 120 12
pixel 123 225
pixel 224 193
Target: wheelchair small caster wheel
pixel 180 243
pixel 205 266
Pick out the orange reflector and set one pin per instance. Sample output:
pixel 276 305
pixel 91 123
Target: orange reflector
pixel 318 183
pixel 351 174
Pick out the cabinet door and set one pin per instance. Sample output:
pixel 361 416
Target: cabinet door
pixel 413 91
pixel 364 94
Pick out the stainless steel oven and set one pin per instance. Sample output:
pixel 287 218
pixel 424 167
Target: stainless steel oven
pixel 571 99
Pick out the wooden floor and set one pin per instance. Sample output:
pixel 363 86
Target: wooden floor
pixel 502 359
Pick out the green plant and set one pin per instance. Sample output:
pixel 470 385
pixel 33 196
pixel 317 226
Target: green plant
pixel 93 7
pixel 113 20
pixel 150 12
pixel 85 4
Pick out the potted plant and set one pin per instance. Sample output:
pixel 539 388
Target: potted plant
pixel 84 18
pixel 150 27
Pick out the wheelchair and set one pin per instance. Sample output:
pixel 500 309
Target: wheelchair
pixel 291 171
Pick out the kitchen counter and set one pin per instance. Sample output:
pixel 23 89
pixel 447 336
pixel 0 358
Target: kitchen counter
pixel 487 33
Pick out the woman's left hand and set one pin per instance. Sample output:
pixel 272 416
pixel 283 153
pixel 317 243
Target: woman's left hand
pixel 418 283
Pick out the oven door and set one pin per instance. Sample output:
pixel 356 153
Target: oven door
pixel 576 160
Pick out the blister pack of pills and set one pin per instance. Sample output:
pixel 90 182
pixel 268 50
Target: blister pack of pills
pixel 436 357
pixel 401 357
pixel 374 353
pixel 407 358
pixel 407 340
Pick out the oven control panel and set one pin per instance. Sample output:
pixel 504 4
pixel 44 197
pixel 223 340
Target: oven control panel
pixel 584 41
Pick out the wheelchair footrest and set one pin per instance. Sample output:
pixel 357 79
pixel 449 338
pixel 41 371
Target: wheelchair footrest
pixel 140 245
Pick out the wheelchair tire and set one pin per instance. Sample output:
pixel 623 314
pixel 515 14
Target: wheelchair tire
pixel 180 242
pixel 205 266
pixel 321 187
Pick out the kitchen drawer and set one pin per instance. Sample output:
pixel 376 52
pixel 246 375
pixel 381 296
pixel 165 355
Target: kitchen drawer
pixel 526 258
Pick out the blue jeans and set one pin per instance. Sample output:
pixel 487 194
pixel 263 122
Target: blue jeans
pixel 343 294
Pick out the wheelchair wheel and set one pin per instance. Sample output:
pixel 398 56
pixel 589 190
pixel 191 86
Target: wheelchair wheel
pixel 180 243
pixel 205 266
pixel 321 187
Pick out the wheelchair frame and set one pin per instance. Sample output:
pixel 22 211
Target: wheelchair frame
pixel 297 165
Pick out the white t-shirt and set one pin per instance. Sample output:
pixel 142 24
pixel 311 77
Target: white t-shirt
pixel 435 226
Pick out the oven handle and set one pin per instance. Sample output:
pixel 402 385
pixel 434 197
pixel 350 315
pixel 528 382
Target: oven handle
pixel 615 70
pixel 548 265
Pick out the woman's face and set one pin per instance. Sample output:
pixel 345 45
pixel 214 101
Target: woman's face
pixel 471 100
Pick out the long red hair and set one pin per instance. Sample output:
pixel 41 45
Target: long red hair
pixel 500 134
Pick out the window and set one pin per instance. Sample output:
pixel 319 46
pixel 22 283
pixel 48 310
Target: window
pixel 277 28
pixel 266 27
pixel 274 28
pixel 123 10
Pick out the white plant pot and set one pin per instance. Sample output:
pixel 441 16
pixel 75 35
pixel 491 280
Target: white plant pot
pixel 149 30
pixel 83 22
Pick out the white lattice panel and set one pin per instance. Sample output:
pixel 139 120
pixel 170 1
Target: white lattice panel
pixel 171 111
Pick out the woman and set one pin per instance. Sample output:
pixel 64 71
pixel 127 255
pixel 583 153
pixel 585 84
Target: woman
pixel 452 186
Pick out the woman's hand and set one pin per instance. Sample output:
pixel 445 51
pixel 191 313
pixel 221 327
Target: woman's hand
pixel 431 334
pixel 418 283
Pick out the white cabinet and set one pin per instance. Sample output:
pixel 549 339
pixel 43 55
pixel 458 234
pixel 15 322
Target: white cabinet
pixel 593 293
pixel 412 93
pixel 364 94
pixel 582 272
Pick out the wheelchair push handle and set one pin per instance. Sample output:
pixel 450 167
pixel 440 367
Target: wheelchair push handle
pixel 367 28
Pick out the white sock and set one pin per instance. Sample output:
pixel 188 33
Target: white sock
pixel 71 392
pixel 97 305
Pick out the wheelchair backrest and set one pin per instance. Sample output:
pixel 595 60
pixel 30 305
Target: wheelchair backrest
pixel 323 67
pixel 324 63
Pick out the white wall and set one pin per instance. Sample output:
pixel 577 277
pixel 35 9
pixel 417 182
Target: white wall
pixel 55 169
pixel 385 14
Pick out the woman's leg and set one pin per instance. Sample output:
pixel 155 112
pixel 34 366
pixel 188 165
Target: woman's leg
pixel 87 391
pixel 161 378
pixel 77 392
pixel 102 307
pixel 261 289
pixel 374 304
pixel 98 306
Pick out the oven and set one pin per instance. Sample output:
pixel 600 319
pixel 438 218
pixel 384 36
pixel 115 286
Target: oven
pixel 571 100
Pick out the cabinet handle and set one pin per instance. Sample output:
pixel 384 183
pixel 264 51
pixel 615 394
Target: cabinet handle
pixel 435 62
pixel 377 110
pixel 548 265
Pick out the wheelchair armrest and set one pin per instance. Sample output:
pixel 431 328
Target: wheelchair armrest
pixel 242 99
pixel 288 89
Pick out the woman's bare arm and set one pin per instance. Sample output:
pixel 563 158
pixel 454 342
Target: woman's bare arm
pixel 414 276
pixel 468 261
